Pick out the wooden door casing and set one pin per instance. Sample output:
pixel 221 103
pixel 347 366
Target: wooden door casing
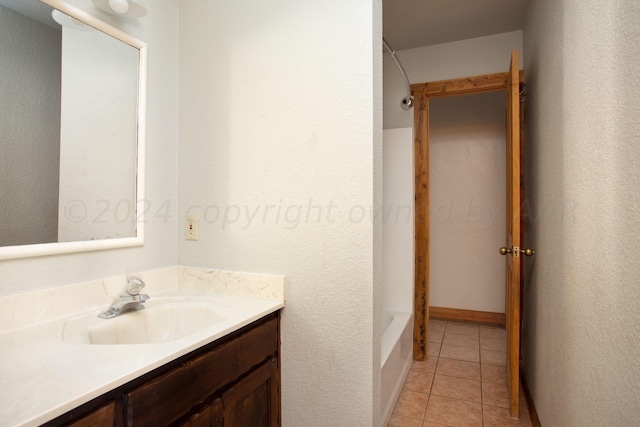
pixel 510 82
pixel 514 258
pixel 422 93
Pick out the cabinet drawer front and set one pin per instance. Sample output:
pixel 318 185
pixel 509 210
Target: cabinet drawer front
pixel 169 396
pixel 101 417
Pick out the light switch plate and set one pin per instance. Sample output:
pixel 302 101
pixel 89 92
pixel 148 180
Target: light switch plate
pixel 191 227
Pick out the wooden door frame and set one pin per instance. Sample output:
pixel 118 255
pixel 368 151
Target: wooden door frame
pixel 422 92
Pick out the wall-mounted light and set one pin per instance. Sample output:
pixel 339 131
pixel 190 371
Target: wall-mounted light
pixel 128 8
pixel 68 22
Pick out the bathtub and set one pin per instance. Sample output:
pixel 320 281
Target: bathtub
pixel 396 357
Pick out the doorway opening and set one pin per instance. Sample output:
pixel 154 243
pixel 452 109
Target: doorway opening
pixel 423 93
pixel 467 179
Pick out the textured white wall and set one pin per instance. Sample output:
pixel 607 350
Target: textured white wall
pixel 398 249
pixel 280 156
pixel 467 201
pixel 29 129
pixel 465 58
pixel 159 30
pixel 582 301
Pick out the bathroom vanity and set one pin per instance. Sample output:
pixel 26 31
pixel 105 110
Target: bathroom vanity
pixel 205 348
pixel 234 381
pixel 205 351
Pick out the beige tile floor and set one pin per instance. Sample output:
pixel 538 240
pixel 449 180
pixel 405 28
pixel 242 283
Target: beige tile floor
pixel 462 383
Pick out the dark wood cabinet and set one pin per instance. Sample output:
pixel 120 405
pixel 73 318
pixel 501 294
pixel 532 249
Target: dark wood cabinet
pixel 102 417
pixel 255 400
pixel 233 382
pixel 207 415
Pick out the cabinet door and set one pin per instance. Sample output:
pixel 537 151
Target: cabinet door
pixel 208 415
pixel 255 400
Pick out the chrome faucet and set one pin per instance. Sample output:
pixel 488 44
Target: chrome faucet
pixel 132 300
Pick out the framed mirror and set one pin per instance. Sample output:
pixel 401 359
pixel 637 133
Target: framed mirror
pixel 72 131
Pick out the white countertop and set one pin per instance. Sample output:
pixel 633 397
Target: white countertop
pixel 42 377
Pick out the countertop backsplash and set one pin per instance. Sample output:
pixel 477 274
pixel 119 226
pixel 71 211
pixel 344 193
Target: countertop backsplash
pixel 32 308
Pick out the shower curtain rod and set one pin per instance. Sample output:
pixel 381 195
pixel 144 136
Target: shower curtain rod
pixel 407 101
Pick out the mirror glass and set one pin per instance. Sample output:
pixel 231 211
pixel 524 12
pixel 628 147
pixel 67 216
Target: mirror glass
pixel 70 131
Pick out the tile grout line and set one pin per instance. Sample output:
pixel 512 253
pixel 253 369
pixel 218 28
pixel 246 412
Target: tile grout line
pixel 433 379
pixel 437 364
pixel 480 363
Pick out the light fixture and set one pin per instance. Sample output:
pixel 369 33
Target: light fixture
pixel 128 8
pixel 68 22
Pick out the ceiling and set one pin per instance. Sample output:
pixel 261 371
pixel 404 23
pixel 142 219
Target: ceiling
pixel 414 23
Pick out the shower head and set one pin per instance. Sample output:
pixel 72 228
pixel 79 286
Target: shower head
pixel 407 103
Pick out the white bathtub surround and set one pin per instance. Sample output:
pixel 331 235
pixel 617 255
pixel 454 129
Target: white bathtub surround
pixel 398 221
pixel 397 355
pixel 42 377
pixel 398 260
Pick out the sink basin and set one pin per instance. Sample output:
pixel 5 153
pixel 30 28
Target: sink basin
pixel 163 320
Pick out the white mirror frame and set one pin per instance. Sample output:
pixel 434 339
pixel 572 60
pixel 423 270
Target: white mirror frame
pixel 41 249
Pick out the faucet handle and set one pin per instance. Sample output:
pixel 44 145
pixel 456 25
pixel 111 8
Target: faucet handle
pixel 134 285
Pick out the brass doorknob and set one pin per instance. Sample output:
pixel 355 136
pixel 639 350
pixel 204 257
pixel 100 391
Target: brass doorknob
pixel 504 251
pixel 527 252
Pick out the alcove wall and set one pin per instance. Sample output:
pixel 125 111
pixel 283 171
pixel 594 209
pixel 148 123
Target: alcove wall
pixel 467 201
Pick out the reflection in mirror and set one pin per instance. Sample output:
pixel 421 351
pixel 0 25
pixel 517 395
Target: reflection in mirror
pixel 71 120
